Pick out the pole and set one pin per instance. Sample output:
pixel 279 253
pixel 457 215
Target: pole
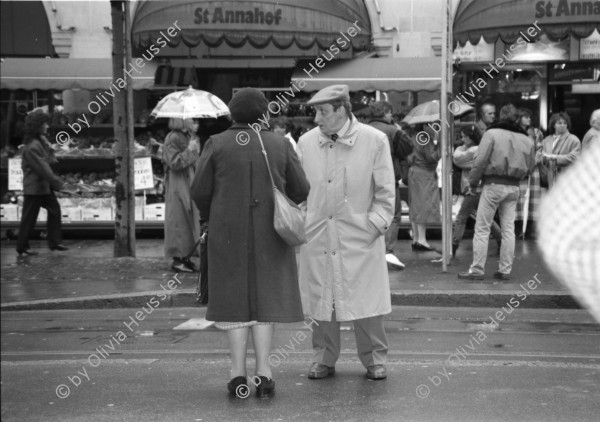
pixel 447 123
pixel 123 127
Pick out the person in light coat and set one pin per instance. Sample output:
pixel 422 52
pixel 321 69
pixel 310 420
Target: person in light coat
pixel 182 221
pixel 342 267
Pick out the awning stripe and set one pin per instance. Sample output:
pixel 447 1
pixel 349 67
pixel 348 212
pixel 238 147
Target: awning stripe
pixel 370 74
pixel 61 74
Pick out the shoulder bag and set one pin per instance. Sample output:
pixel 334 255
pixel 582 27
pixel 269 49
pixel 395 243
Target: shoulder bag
pixel 288 218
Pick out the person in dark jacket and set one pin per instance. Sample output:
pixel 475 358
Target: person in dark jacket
pixel 505 156
pixel 381 119
pixel 252 272
pixel 39 184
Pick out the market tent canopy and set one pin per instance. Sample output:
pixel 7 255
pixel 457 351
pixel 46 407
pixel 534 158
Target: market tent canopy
pixel 505 19
pixel 61 74
pixel 24 30
pixel 370 74
pixel 259 23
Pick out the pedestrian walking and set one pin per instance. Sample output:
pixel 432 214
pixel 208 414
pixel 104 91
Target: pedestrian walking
pixel 381 118
pixel 505 156
pixel 343 271
pixel 252 272
pixel 487 117
pixel 39 185
pixel 593 134
pixel 182 222
pixel 463 158
pixel 561 148
pixel 530 191
pixel 284 127
pixel 423 189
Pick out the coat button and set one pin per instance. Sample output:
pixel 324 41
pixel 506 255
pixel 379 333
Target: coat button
pixel 333 253
pixel 330 146
pixel 330 217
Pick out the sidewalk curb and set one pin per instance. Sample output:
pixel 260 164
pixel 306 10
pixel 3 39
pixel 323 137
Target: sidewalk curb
pixel 185 298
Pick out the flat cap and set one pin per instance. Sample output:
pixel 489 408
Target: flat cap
pixel 331 93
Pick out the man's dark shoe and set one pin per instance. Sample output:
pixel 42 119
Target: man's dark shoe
pixel 501 276
pixel 59 247
pixel 376 372
pixel 27 252
pixel 318 371
pixel 468 275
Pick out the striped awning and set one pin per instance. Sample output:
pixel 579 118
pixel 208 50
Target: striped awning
pixel 61 74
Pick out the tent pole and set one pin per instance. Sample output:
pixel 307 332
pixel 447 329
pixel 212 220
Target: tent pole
pixel 123 127
pixel 447 135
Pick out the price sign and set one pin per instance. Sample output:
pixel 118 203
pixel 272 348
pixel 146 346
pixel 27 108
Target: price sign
pixel 143 176
pixel 15 174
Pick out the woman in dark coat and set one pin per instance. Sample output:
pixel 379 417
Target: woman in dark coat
pixel 252 274
pixel 39 184
pixel 423 191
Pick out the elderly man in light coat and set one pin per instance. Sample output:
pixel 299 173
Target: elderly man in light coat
pixel 342 267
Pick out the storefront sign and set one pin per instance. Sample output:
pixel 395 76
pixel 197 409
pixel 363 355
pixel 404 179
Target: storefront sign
pixel 482 52
pixel 589 48
pixel 569 72
pixel 564 8
pixel 219 15
pixel 15 174
pixel 143 176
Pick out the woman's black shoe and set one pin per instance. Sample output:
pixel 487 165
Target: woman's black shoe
pixel 27 252
pixel 59 247
pixel 237 387
pixel 188 263
pixel 179 266
pixel 420 247
pixel 265 389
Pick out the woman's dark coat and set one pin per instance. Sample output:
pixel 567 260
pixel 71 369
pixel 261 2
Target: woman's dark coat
pixel 38 177
pixel 252 272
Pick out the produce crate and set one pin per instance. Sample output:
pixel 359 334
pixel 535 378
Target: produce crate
pixel 10 212
pixel 69 214
pixel 43 215
pixel 96 214
pixel 154 212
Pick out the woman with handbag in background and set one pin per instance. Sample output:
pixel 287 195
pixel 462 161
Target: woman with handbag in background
pixel 560 149
pixel 423 191
pixel 252 273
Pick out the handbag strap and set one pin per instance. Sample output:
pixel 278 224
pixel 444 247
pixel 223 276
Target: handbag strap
pixel 266 160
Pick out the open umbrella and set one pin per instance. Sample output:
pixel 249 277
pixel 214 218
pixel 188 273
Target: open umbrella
pixel 430 111
pixel 189 104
